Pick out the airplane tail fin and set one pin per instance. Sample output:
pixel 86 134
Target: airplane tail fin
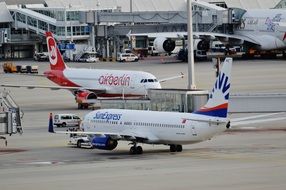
pixel 51 124
pixel 217 104
pixel 55 57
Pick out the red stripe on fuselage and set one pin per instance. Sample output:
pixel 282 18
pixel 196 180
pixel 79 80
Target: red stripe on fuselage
pixel 59 78
pixel 222 106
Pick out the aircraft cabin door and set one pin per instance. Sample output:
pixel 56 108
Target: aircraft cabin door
pixel 193 130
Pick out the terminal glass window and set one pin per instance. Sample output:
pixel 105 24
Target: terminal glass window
pixel 53 29
pixel 68 31
pixel 141 43
pixel 21 17
pixel 60 31
pixel 60 15
pixel 32 21
pixel 73 16
pixel 80 30
pixel 76 30
pixel 43 25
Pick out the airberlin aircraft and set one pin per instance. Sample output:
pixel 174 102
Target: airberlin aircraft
pixel 89 84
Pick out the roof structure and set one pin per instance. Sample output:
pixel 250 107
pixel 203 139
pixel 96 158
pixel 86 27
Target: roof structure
pixel 17 2
pixel 137 5
pixel 248 4
pixel 5 15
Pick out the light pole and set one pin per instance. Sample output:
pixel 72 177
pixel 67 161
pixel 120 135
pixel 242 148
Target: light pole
pixel 191 69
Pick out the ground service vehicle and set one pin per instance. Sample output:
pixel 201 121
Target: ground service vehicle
pixel 64 120
pixel 122 57
pixel 79 141
pixel 9 67
pixel 44 56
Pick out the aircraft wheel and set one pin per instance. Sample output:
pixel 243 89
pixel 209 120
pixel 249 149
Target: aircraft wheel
pixel 139 150
pixel 173 148
pixel 179 148
pixel 64 124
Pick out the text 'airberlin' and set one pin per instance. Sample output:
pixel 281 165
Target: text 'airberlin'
pixel 109 79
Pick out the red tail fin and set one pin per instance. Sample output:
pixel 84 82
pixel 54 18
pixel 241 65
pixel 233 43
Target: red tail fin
pixel 56 60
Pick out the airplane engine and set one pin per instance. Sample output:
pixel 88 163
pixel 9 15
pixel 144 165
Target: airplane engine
pixel 201 44
pixel 163 44
pixel 84 95
pixel 104 143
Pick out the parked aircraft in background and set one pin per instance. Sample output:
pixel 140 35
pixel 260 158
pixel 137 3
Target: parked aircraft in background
pixel 107 126
pixel 89 84
pixel 258 31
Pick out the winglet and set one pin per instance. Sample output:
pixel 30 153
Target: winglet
pixel 217 104
pixel 51 124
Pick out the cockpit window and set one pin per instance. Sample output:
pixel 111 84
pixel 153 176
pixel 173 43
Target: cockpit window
pixel 148 80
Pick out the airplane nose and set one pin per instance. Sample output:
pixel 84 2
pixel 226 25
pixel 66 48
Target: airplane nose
pixel 157 85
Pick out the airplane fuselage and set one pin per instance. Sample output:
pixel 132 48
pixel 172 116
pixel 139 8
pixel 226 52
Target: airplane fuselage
pixel 174 128
pixel 266 27
pixel 113 82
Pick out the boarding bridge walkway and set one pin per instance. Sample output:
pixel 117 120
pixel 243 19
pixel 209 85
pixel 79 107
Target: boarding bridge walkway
pixel 32 20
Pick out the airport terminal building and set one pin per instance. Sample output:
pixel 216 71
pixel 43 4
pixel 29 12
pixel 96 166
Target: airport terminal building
pixel 102 25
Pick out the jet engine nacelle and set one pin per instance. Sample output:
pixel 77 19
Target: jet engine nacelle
pixel 201 44
pixel 162 44
pixel 104 143
pixel 84 95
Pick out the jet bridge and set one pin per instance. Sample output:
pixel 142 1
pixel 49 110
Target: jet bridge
pixel 10 116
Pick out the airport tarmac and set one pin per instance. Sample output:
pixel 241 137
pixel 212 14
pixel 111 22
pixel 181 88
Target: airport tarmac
pixel 234 160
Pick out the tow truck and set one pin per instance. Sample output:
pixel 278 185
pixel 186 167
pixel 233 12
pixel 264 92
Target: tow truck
pixel 79 141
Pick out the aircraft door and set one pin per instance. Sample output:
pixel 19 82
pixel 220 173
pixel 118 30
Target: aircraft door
pixel 193 130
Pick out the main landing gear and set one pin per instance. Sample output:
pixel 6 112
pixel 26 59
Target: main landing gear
pixel 135 149
pixel 176 148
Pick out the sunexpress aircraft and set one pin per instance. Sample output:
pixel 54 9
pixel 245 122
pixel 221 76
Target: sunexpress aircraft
pixel 105 127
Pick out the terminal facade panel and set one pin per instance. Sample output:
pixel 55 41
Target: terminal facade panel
pixel 105 30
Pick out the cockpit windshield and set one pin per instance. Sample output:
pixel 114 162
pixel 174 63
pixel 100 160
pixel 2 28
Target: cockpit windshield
pixel 148 80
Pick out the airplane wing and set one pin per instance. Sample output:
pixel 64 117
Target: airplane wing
pixel 237 122
pixel 200 35
pixel 116 136
pixel 97 91
pixel 26 74
pixel 225 37
pixel 171 78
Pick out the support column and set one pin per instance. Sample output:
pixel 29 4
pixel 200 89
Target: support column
pixel 191 69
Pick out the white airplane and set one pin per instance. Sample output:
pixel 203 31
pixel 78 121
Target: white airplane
pixel 107 126
pixel 260 30
pixel 89 84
